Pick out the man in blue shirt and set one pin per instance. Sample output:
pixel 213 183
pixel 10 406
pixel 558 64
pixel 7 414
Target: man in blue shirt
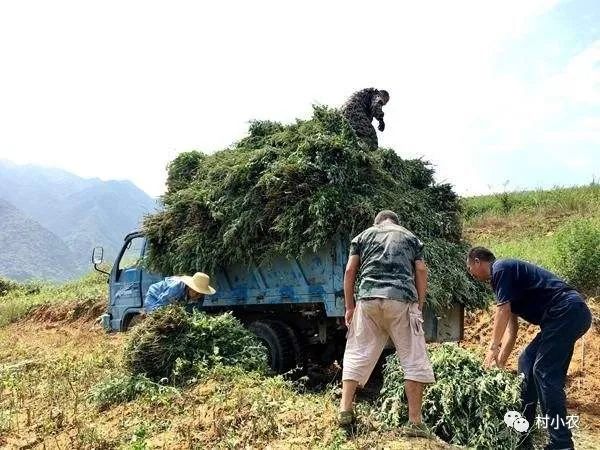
pixel 177 289
pixel 541 298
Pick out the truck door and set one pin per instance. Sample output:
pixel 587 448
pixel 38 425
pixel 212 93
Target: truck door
pixel 125 286
pixel 148 278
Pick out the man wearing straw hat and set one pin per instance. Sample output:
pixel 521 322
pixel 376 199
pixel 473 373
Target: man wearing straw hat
pixel 177 289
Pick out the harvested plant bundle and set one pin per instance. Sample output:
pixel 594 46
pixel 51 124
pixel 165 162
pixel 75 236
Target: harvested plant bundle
pixel 465 406
pixel 289 189
pixel 171 343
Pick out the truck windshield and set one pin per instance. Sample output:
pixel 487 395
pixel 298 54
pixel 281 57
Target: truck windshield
pixel 132 257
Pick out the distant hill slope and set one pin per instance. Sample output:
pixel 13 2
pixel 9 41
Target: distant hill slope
pixel 30 251
pixel 526 224
pixel 81 212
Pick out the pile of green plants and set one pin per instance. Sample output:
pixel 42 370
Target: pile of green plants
pixel 290 189
pixel 465 406
pixel 174 345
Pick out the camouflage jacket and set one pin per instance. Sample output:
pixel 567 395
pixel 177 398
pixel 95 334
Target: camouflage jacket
pixel 387 258
pixel 360 110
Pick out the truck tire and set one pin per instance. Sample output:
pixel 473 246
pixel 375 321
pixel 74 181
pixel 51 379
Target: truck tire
pixel 298 347
pixel 132 320
pixel 279 339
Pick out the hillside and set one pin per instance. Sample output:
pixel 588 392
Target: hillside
pixel 81 212
pixel 30 251
pixel 531 225
pixel 227 408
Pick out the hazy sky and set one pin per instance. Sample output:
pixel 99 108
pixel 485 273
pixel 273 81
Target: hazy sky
pixel 486 91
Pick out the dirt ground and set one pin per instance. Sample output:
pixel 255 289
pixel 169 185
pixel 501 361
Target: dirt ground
pixel 61 358
pixel 56 363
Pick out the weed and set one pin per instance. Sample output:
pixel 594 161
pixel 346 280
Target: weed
pixel 578 254
pixel 125 388
pixel 84 292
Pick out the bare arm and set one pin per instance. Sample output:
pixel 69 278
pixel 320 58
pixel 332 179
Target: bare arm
pixel 501 319
pixel 349 281
pixel 421 281
pixel 509 344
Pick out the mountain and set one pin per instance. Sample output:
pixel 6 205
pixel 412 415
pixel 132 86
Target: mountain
pixel 81 212
pixel 30 251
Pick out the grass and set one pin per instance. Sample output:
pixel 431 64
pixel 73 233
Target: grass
pixel 524 225
pixel 579 201
pixel 47 401
pixel 86 291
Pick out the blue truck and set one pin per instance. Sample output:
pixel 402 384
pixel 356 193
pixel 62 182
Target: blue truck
pixel 294 306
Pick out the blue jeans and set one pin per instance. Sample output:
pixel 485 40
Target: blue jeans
pixel 545 361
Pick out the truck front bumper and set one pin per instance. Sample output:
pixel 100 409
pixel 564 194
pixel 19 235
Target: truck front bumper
pixel 105 319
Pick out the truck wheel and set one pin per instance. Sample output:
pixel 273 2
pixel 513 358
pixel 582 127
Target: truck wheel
pixel 131 321
pixel 276 337
pixel 299 355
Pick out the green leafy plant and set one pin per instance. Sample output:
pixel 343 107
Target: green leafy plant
pixel 578 254
pixel 172 344
pixel 466 404
pixel 124 389
pixel 291 189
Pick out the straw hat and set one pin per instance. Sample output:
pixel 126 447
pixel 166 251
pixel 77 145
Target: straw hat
pixel 200 282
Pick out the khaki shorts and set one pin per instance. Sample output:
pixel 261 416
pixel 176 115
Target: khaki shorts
pixel 375 321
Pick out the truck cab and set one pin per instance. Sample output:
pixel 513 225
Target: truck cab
pixel 294 306
pixel 128 283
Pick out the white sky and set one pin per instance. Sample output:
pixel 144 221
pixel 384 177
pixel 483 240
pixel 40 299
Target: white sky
pixel 116 89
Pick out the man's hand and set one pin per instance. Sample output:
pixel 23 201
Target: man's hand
pixel 381 126
pixel 491 358
pixel 349 316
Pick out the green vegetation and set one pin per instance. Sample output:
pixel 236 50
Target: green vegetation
pixel 291 189
pixel 174 345
pixel 578 254
pixel 579 201
pixel 122 389
pixel 557 229
pixel 20 299
pixel 465 406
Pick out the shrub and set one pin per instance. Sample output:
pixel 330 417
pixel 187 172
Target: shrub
pixel 466 404
pixel 173 344
pixel 125 389
pixel 578 254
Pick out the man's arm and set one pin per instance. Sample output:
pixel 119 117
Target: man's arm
pixel 377 112
pixel 349 281
pixel 501 319
pixel 513 329
pixel 421 281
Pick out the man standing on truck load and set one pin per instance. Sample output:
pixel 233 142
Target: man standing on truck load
pixel 390 301
pixel 541 298
pixel 360 110
pixel 177 289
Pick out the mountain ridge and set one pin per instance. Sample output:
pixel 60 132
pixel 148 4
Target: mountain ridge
pixel 80 212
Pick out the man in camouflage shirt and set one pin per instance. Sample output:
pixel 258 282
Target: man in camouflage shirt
pixel 360 110
pixel 390 300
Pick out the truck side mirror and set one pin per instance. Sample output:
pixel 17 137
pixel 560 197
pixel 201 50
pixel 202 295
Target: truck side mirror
pixel 97 255
pixel 97 258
